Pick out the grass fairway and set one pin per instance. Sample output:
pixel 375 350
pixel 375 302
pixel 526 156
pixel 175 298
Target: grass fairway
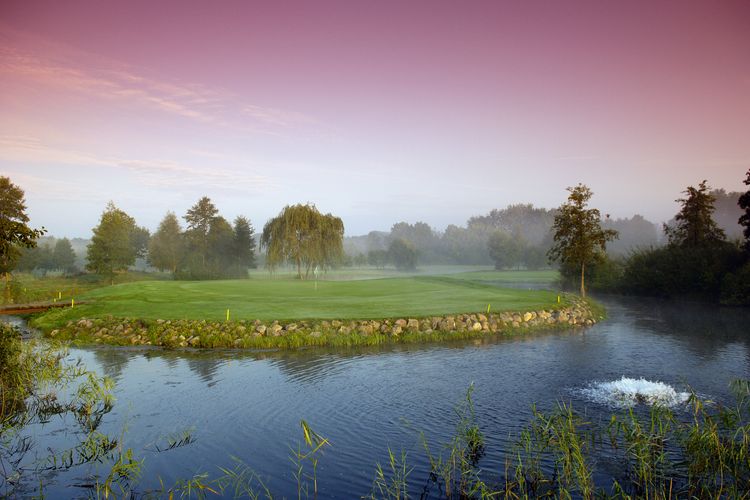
pixel 278 299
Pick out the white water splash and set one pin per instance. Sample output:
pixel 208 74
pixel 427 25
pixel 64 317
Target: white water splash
pixel 628 392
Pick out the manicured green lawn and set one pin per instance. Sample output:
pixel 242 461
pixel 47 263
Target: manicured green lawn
pixel 286 299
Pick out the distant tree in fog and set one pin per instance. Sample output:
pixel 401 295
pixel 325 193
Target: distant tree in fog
pixel 377 258
pixel 579 239
pixel 63 256
pixel 634 233
pixel 359 260
pixel 167 246
pixel 421 236
pixel 505 250
pixel 531 222
pixel 403 254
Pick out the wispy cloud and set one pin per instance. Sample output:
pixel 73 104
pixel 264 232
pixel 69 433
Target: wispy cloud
pixel 148 172
pixel 63 70
pixel 58 189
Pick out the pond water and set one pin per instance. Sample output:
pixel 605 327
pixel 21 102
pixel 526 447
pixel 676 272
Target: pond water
pixel 365 400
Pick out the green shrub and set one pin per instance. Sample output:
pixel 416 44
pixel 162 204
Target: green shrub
pixel 678 271
pixel 735 288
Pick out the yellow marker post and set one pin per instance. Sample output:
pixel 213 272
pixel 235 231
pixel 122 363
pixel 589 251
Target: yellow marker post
pixel 558 299
pixel 488 308
pixel 59 295
pixel 227 314
pixel 72 303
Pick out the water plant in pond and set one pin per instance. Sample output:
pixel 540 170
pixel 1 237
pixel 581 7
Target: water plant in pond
pixel 35 386
pixel 454 471
pixel 307 477
pixel 392 483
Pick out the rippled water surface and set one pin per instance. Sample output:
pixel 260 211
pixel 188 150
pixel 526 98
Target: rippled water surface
pixel 366 400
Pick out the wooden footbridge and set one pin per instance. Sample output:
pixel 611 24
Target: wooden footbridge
pixel 33 307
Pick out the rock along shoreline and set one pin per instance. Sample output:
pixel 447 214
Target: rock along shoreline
pixel 291 334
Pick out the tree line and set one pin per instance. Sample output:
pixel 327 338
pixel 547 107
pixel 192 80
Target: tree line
pixel 51 255
pixel 698 261
pixel 699 258
pixel 209 247
pixel 516 237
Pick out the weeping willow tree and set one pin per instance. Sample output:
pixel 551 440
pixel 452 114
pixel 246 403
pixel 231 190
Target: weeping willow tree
pixel 304 237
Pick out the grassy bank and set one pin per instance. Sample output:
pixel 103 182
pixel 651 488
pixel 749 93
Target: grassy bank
pixel 284 313
pixel 285 299
pixel 29 288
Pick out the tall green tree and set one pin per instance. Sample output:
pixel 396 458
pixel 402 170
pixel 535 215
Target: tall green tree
pixel 111 249
pixel 694 225
pixel 243 249
pixel 579 239
pixel 303 236
pixel 14 230
pixel 63 256
pixel 166 248
pixel 744 203
pixel 199 218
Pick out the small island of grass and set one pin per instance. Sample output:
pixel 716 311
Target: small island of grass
pixel 269 313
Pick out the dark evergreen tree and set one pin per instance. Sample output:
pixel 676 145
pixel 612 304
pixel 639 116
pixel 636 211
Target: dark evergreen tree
pixel 694 225
pixel 744 203
pixel 243 249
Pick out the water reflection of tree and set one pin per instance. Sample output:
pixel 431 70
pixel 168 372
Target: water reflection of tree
pixel 113 360
pixel 306 365
pixel 205 367
pixel 312 364
pixel 704 329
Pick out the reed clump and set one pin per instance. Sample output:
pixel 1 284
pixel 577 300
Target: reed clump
pixel 658 455
pixel 37 385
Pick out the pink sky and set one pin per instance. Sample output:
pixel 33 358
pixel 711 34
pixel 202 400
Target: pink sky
pixel 375 111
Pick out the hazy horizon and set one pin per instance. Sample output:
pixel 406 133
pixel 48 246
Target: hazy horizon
pixel 376 112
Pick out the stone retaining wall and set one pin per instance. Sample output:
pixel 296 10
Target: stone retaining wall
pixel 202 333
